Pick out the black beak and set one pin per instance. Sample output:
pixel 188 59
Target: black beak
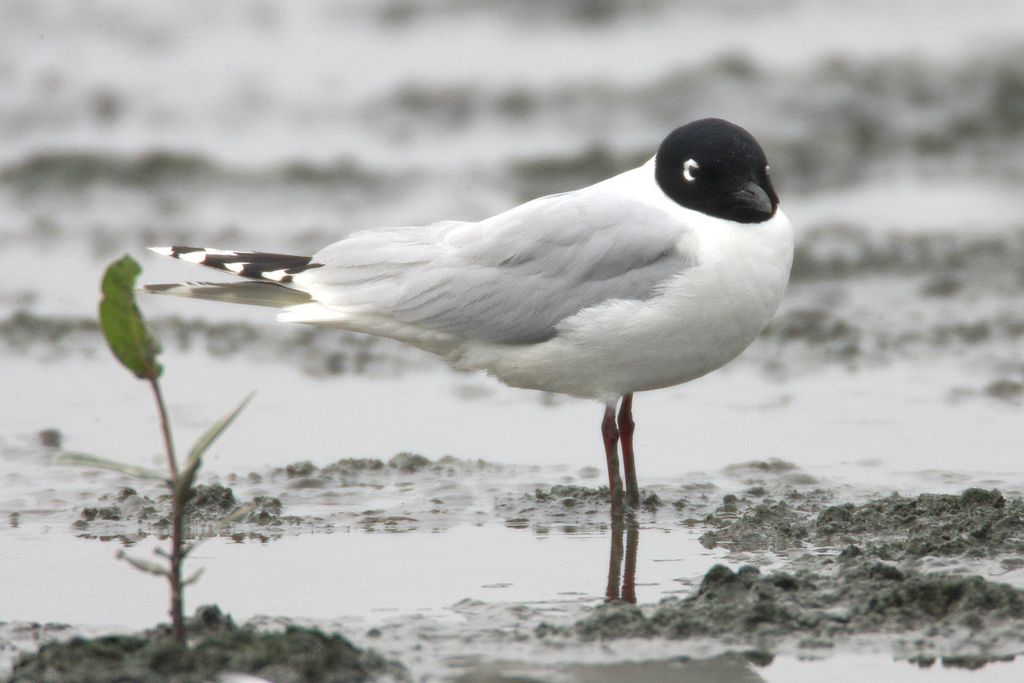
pixel 753 201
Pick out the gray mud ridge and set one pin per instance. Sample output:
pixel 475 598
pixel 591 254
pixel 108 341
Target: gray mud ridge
pixel 358 471
pixel 430 494
pixel 128 515
pixel 693 503
pixel 216 646
pixel 434 495
pixel 402 468
pixel 815 609
pixel 569 507
pixel 975 523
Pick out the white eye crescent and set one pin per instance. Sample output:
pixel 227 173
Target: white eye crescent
pixel 688 170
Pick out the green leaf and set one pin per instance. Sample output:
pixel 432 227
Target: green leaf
pixel 195 456
pixel 85 460
pixel 123 326
pixel 143 565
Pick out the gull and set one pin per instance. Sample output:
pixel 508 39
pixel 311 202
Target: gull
pixel 649 279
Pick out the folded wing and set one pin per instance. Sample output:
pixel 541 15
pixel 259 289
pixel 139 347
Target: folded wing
pixel 508 279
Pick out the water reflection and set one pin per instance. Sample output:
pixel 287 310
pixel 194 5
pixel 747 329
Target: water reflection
pixel 625 541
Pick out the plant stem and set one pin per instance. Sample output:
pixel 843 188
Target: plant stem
pixel 174 575
pixel 165 426
pixel 178 499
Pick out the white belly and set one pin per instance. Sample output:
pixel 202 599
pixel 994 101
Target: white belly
pixel 704 318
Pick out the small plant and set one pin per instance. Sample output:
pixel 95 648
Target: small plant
pixel 134 345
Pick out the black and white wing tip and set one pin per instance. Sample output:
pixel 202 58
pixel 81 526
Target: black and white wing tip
pixel 255 265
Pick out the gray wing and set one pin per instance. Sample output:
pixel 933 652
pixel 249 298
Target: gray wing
pixel 511 278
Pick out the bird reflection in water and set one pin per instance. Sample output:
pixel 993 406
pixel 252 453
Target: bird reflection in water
pixel 625 540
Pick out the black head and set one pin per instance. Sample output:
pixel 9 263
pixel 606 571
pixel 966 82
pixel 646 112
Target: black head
pixel 717 168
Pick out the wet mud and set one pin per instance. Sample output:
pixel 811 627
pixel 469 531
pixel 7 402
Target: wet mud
pixel 299 498
pixel 976 523
pixel 840 575
pixel 128 516
pixel 216 646
pixel 843 598
pixel 836 568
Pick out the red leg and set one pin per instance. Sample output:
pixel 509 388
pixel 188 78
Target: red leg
pixel 614 592
pixel 629 571
pixel 626 426
pixel 610 433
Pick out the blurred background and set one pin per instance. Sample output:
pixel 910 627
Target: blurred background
pixel 895 132
pixel 284 125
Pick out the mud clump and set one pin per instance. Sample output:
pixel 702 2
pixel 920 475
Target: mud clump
pixel 976 523
pixel 571 507
pixel 300 469
pixel 345 468
pixel 208 505
pixel 266 511
pixel 741 523
pixel 124 504
pixel 217 646
pixel 408 462
pixel 775 526
pixel 570 496
pixel 352 471
pixel 210 502
pixel 817 608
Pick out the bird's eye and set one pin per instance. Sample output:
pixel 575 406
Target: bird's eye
pixel 690 168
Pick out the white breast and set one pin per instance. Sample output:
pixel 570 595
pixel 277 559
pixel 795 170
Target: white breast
pixel 704 317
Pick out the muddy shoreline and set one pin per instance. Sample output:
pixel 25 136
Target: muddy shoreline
pixel 808 570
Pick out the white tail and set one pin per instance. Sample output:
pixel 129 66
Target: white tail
pixel 255 293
